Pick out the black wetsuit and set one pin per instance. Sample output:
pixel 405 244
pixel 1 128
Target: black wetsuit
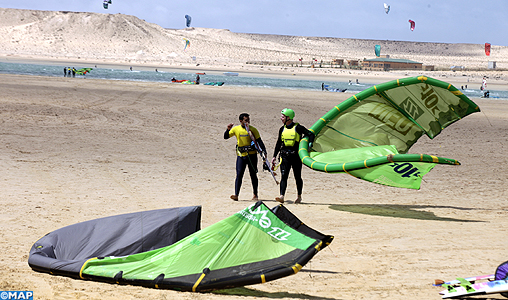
pixel 242 162
pixel 290 158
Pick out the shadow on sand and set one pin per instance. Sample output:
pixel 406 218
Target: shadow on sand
pixel 243 291
pixel 399 211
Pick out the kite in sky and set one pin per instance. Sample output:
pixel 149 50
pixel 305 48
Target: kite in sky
pixel 105 3
pixel 187 44
pixel 368 135
pixel 188 20
pixel 387 8
pixel 412 25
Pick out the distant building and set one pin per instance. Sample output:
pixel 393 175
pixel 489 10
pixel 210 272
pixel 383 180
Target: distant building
pixel 385 64
pixel 353 63
pixel 338 62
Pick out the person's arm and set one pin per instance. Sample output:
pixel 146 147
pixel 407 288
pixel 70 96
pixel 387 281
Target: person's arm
pixel 304 132
pixel 277 146
pixel 226 133
pixel 261 145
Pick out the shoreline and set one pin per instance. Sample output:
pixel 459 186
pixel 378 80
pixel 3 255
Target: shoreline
pixel 458 78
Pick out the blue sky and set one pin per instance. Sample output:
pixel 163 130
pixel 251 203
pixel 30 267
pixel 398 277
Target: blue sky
pixel 448 21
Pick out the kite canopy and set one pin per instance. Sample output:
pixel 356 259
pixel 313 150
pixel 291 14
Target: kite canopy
pixel 411 25
pixel 502 272
pixel 377 50
pixel 188 20
pixel 387 8
pixel 187 44
pixel 64 251
pixel 83 71
pixel 369 134
pixel 166 249
pixel 487 49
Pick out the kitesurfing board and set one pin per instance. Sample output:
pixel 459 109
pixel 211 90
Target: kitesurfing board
pixel 439 282
pixel 488 287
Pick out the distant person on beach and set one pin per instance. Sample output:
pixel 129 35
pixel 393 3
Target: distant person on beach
pixel 197 79
pixel 323 86
pixel 156 70
pixel 287 146
pixel 130 68
pixel 349 82
pixel 246 154
pixel 69 72
pixel 173 79
pixel 73 72
pixel 357 81
pixel 65 71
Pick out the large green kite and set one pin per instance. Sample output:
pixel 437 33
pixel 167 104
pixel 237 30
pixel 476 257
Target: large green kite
pixel 166 249
pixel 369 134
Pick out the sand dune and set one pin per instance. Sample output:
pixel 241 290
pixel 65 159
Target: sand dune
pixel 124 38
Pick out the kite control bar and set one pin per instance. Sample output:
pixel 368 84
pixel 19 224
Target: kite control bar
pixel 263 156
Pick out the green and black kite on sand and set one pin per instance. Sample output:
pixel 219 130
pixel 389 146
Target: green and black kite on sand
pixel 166 249
pixel 369 134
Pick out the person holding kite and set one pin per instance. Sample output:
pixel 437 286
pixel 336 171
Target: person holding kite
pixel 287 145
pixel 246 153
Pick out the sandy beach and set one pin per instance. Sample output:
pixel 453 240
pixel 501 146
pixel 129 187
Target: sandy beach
pixel 75 150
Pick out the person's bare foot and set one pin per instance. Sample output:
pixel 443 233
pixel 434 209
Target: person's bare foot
pixel 280 199
pixel 234 197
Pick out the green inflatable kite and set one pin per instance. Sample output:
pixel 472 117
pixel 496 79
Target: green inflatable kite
pixel 166 249
pixel 369 134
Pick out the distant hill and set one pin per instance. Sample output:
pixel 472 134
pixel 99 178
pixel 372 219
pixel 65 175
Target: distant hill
pixel 125 38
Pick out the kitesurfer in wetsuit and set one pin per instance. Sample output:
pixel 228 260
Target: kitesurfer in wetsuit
pixel 287 145
pixel 246 153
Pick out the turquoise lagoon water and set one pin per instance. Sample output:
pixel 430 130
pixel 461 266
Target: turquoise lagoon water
pixel 241 80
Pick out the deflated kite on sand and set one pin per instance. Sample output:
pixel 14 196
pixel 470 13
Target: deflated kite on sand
pixel 369 134
pixel 165 248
